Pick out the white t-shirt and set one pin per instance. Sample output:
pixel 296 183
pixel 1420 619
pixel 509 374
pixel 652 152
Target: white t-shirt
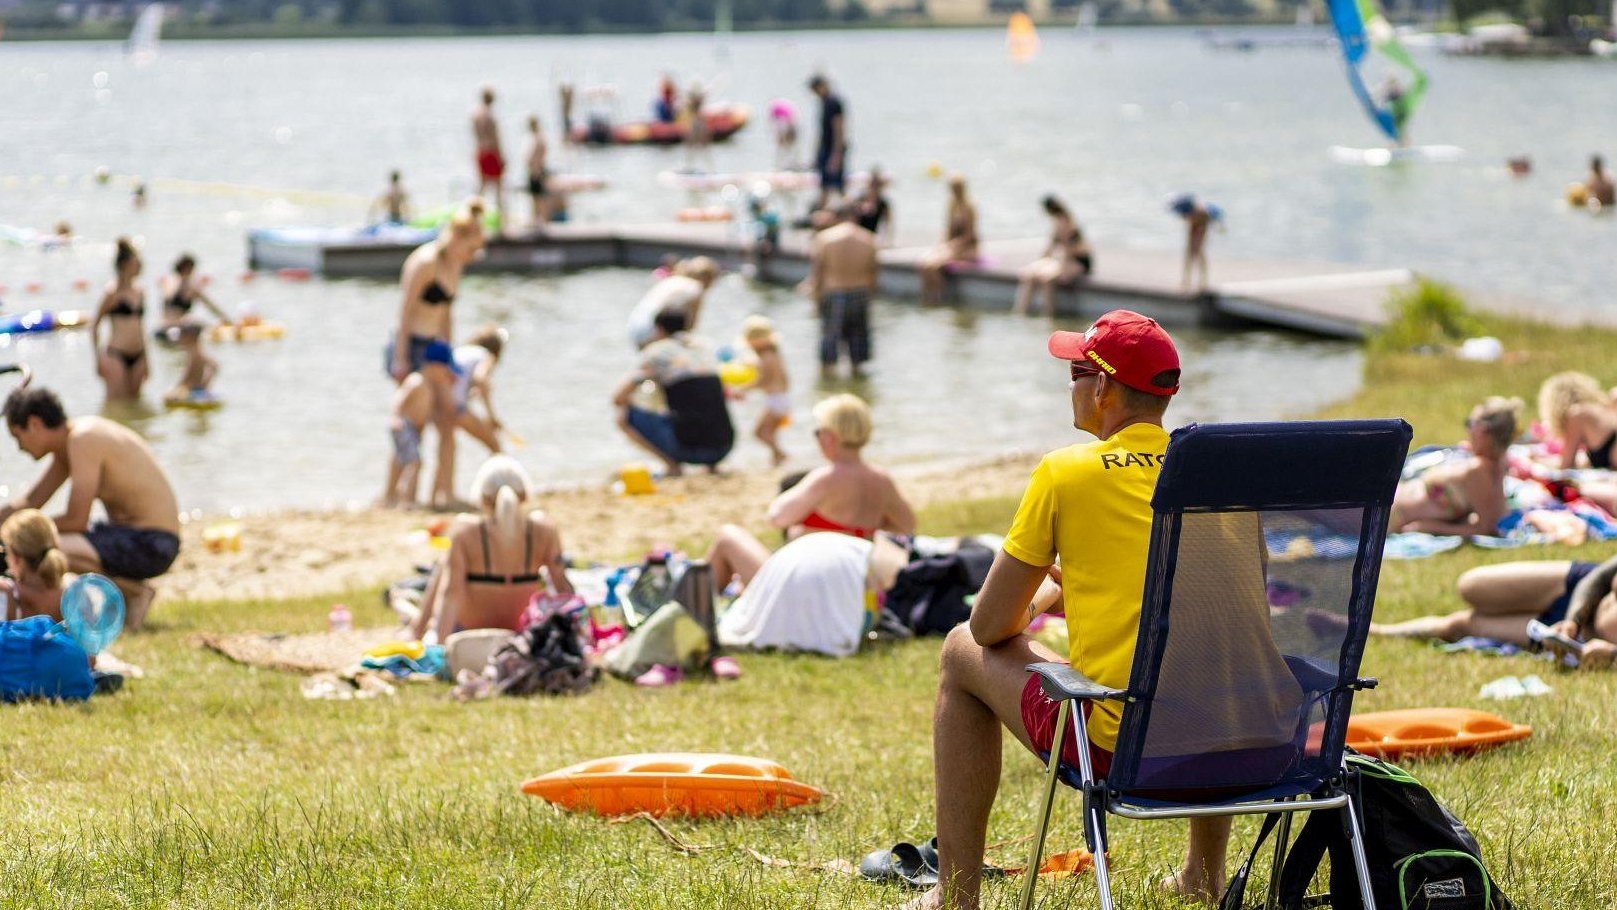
pixel 468 357
pixel 675 290
pixel 809 596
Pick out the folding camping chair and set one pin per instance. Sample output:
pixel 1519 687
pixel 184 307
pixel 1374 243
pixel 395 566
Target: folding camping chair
pixel 1265 550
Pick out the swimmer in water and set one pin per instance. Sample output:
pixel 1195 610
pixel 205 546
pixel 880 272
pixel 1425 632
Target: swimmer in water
pixel 122 364
pixel 393 206
pixel 200 369
pixel 1598 186
pixel 180 293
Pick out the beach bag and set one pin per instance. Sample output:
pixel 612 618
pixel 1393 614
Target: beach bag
pixel 39 659
pixel 930 594
pixel 670 637
pixel 1419 855
pixel 547 658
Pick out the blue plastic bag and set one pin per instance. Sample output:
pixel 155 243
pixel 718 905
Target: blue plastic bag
pixel 39 659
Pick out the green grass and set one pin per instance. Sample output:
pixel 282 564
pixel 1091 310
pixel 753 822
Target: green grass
pixel 208 784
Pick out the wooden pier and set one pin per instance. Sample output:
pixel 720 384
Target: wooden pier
pixel 1321 299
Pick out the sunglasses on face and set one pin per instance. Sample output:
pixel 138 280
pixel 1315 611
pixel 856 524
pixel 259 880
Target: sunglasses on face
pixel 1081 370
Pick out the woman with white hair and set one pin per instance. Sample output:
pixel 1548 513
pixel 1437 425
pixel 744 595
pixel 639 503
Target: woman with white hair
pixel 497 560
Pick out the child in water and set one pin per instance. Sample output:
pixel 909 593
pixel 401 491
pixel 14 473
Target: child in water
pixel 412 408
pixel 759 333
pixel 200 369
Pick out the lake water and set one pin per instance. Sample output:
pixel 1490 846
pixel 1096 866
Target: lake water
pixel 1114 126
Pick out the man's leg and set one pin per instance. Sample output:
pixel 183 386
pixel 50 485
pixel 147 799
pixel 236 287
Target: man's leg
pixel 979 694
pixel 81 557
pixel 138 595
pixel 671 467
pixel 1202 877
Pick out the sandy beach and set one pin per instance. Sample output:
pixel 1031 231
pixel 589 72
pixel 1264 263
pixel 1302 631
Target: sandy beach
pixel 299 553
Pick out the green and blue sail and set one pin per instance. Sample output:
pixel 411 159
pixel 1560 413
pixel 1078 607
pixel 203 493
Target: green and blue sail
pixel 1361 28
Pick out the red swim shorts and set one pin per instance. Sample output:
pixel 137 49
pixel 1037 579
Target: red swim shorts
pixel 1039 717
pixel 490 165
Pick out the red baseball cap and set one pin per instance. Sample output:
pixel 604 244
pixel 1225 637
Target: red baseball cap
pixel 1127 347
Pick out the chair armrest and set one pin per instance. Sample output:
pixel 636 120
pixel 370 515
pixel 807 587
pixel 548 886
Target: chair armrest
pixel 1062 683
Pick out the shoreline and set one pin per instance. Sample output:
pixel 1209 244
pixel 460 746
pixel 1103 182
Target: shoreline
pixel 307 552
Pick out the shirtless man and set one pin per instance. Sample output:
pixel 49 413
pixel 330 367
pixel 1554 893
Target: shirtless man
pixel 106 461
pixel 490 163
pixel 1598 185
pixel 842 276
pixel 1198 218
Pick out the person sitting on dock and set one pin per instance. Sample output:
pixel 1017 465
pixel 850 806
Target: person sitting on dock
pixel 1597 185
pixel 875 213
pixel 696 429
pixel 686 289
pixel 842 276
pixel 959 246
pixel 1065 260
pixel 99 460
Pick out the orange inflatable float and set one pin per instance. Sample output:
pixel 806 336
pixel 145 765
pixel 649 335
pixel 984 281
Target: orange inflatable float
pixel 697 784
pixel 1429 731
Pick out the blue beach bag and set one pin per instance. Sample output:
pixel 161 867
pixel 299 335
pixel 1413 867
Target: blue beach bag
pixel 39 659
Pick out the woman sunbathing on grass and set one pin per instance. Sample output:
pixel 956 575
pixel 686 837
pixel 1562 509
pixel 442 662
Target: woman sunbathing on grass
pixel 497 559
pixel 1581 416
pixel 1574 598
pixel 1465 496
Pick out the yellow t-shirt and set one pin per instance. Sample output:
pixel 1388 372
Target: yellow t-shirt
pixel 1090 504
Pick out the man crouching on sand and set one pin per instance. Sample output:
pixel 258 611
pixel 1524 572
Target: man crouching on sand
pixel 106 461
pixel 1090 505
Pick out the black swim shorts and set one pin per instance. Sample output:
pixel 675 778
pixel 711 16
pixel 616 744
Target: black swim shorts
pixel 138 553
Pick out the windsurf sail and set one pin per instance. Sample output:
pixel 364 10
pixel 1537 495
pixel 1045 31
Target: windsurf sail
pixel 1021 37
pixel 142 43
pixel 1361 28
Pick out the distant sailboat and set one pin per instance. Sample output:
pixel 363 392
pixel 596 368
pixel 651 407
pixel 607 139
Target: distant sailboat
pixel 1021 38
pixel 142 44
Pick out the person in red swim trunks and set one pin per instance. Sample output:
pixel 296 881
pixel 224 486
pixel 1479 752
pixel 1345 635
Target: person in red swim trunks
pixel 490 163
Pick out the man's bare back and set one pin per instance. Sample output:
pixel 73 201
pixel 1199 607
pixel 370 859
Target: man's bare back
pixel 484 129
pixel 132 488
pixel 845 259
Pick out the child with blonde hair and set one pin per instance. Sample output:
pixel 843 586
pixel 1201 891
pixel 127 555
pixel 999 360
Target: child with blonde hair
pixel 36 565
pixel 759 334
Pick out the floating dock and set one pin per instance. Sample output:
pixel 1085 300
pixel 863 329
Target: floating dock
pixel 1321 299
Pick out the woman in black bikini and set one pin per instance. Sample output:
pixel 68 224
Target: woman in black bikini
pixel 431 278
pixel 497 559
pixel 181 293
pixel 122 363
pixel 1583 418
pixel 1065 260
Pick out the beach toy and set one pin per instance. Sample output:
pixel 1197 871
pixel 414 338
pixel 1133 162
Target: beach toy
pixel 1577 195
pixel 1428 731
pixel 934 170
pixel 221 537
pixel 696 784
pixel 737 373
pixel 93 611
pixel 35 321
pixel 636 480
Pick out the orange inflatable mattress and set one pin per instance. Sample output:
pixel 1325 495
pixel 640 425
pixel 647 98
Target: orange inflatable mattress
pixel 697 784
pixel 1430 731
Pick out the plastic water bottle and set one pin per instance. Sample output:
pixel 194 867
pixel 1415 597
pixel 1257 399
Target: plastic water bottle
pixel 340 619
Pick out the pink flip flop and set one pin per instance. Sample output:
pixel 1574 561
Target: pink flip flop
pixel 660 675
pixel 725 668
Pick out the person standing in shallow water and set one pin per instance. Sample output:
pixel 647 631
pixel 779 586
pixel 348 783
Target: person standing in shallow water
pixel 122 364
pixel 842 277
pixel 431 280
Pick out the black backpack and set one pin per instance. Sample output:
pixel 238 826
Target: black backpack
pixel 929 595
pixel 1420 856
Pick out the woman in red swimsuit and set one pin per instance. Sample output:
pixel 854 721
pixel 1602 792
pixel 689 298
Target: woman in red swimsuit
pixel 845 495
